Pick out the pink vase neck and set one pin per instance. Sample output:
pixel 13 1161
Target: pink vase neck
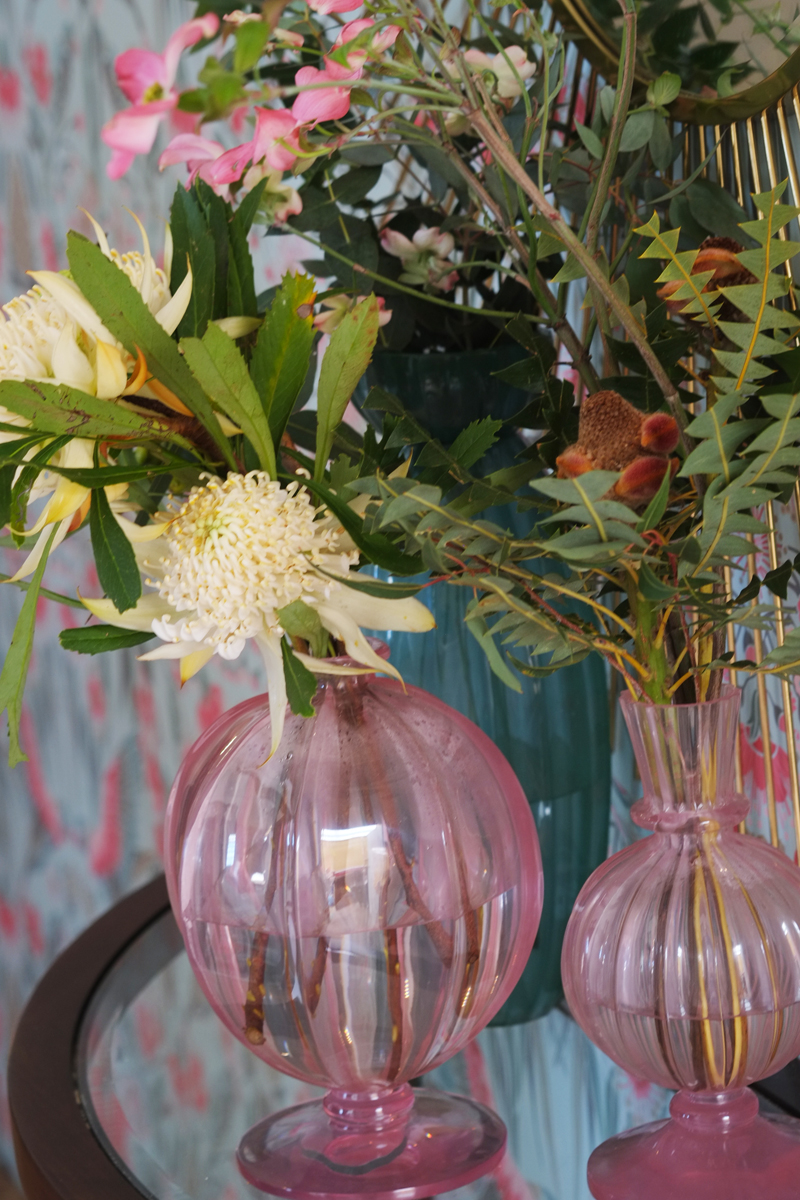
pixel 714 1112
pixel 686 754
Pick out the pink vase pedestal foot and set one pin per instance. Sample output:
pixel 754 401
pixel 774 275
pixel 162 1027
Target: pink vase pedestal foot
pixel 402 1142
pixel 713 1147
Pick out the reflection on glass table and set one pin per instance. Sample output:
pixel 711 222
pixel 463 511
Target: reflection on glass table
pixel 124 1084
pixel 168 1090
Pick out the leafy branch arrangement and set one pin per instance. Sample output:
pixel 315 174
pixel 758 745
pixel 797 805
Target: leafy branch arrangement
pixel 166 409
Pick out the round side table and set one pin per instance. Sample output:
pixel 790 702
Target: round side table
pixel 123 1083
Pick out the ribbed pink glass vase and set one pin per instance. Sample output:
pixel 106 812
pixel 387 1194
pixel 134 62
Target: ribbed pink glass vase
pixel 682 962
pixel 356 909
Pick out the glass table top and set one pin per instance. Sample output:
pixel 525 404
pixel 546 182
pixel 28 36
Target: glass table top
pixel 168 1090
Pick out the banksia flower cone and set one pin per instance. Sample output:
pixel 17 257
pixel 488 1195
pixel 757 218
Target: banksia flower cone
pixel 615 436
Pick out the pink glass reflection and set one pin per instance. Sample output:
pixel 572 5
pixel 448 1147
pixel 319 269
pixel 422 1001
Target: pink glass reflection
pixel 682 962
pixel 356 909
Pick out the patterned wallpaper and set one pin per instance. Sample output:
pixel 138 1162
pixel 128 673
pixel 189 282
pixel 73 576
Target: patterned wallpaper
pixel 82 822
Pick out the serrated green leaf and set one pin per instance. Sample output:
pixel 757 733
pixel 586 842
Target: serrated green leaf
pixel 218 366
pixel 113 555
pixel 280 360
pixel 375 546
pixel 346 359
pixel 193 243
pixel 593 484
pixel 58 409
pixel 97 639
pixel 300 683
pixel 124 313
pixel 15 667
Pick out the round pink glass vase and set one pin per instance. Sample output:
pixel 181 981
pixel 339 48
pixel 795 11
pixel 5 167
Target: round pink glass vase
pixel 682 963
pixel 356 909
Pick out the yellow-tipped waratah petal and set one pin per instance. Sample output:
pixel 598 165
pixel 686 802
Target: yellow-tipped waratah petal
pixel 99 232
pixel 141 533
pixel 146 289
pixel 237 327
pixel 35 556
pixel 70 365
pixel 169 650
pixel 150 608
pixel 325 666
pixel 65 501
pixel 270 646
pixel 168 248
pixel 346 630
pixel 193 663
pixel 112 378
pixel 170 316
pixel 377 612
pixel 70 297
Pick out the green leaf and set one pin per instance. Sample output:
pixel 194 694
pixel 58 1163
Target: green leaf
pixel 251 38
pixel 123 312
pixel 473 442
pixel 663 90
pixel 657 506
pixel 96 639
pixel 192 242
pixel 637 132
pixel 15 667
pixel 279 364
pixel 376 546
pixel 346 359
pixel 7 474
pixel 58 409
pixel 590 140
pixel 247 211
pixel 300 683
pixel 218 366
pixel 300 620
pixel 651 586
pixel 778 580
pixel 113 555
pixel 375 587
pixel 477 626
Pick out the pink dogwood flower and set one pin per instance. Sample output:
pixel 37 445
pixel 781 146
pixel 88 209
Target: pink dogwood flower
pixel 381 40
pixel 275 144
pixel 323 103
pixel 424 258
pixel 333 6
pixel 147 79
pixel 198 153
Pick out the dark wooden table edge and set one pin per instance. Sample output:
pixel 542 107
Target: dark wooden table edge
pixel 58 1155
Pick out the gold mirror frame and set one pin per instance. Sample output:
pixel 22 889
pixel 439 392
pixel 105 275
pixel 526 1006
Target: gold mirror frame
pixel 603 53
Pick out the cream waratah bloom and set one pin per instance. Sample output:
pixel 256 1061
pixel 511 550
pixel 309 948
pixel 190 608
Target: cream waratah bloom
pixel 53 335
pixel 230 559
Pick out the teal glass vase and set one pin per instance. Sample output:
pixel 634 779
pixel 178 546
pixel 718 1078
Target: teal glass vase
pixel 556 733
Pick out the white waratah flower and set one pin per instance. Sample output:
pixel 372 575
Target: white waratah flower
pixel 423 257
pixel 234 555
pixel 510 69
pixel 53 335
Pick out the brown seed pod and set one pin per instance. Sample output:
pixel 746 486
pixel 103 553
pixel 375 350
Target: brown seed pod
pixel 642 478
pixel 660 433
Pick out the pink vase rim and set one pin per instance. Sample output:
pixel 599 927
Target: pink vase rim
pixel 728 693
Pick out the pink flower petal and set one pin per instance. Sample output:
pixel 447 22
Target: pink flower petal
pixel 322 104
pixel 138 70
pixel 184 36
pixel 333 6
pixel 190 148
pixel 229 166
pixel 275 125
pixel 133 131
